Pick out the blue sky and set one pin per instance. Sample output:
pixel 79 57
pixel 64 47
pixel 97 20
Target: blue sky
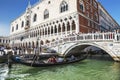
pixel 11 9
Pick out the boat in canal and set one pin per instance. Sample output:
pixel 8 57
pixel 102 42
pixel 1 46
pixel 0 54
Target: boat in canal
pixel 44 62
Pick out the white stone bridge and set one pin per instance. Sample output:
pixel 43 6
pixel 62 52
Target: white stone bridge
pixel 73 43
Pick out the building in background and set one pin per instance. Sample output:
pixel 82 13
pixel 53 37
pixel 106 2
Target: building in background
pixel 4 41
pixel 49 20
pixel 107 23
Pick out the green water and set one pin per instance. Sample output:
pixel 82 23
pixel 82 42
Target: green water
pixel 85 70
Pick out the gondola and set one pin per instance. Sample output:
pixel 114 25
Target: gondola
pixel 44 64
pixel 3 58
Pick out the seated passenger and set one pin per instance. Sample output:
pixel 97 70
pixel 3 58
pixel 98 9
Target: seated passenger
pixel 60 59
pixel 52 60
pixel 72 57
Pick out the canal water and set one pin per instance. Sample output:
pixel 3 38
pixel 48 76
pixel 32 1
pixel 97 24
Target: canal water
pixel 83 70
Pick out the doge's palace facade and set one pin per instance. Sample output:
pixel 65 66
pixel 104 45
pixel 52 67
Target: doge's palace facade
pixel 49 20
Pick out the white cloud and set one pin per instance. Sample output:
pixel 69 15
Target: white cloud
pixel 4 29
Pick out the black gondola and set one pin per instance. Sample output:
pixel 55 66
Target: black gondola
pixel 41 63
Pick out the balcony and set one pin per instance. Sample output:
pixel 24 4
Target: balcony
pixel 26 27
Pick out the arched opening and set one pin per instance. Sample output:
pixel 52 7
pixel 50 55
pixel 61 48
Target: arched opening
pixel 23 45
pixel 33 45
pixel 68 26
pixel 40 32
pixel 55 29
pixel 48 30
pixel 73 25
pixel 81 5
pixel 22 24
pixel 45 31
pixel 51 29
pixel 29 45
pixel 37 44
pixel 94 52
pixel 41 42
pixel 35 18
pixel 63 6
pixel 34 34
pixel 26 45
pixel 63 27
pixel 46 14
pixel 59 28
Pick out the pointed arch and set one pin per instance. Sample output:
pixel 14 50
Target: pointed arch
pixel 96 16
pixel 68 26
pixel 81 5
pixel 63 27
pixel 51 29
pixel 29 45
pixel 46 14
pixel 33 45
pixel 35 18
pixel 37 44
pixel 26 45
pixel 63 6
pixel 22 24
pixel 48 30
pixel 59 28
pixel 55 29
pixel 45 31
pixel 40 32
pixel 41 42
pixel 17 27
pixel 73 25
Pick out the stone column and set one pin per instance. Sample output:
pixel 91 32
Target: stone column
pixel 77 23
pixel 53 29
pixel 70 27
pixel 65 28
pixel 61 29
pixel 47 31
pixel 57 29
pixel 50 30
pixel 44 32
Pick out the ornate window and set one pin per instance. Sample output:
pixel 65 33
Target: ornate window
pixel 46 14
pixel 95 4
pixel 27 23
pixel 35 18
pixel 96 17
pixel 73 25
pixel 22 24
pixel 17 27
pixel 63 6
pixel 81 6
pixel 12 29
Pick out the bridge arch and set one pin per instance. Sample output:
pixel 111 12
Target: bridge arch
pixel 85 45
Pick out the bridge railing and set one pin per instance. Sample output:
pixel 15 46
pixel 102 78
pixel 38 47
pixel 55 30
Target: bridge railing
pixel 109 36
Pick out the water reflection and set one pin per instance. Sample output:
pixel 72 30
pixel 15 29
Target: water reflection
pixel 3 71
pixel 85 70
